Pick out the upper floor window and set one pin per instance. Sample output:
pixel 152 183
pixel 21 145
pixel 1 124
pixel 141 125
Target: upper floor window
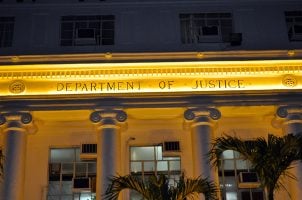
pixel 70 177
pixel 237 179
pixel 87 30
pixel 205 27
pixel 149 160
pixel 294 25
pixel 6 31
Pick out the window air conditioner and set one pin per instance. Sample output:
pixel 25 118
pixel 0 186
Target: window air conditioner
pixel 171 148
pixel 85 36
pixel 248 180
pixel 235 39
pixel 251 195
pixel 81 184
pixel 88 152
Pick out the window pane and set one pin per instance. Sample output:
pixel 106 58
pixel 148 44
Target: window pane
pixel 136 167
pixel 62 155
pixel 162 166
pixel 228 154
pixel 149 166
pixel 228 164
pixel 142 153
pixel 174 165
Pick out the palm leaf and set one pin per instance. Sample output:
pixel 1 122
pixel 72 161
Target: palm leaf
pixel 270 158
pixel 157 188
pixel 119 183
pixel 190 188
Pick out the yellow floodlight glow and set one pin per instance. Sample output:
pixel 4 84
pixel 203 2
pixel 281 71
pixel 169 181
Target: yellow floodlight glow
pixel 149 78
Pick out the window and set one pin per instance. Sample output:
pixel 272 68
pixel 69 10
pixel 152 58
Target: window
pixel 6 31
pixel 294 25
pixel 69 177
pixel 149 160
pixel 234 173
pixel 87 30
pixel 205 27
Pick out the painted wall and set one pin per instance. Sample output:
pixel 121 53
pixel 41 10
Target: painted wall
pixel 148 126
pixel 142 26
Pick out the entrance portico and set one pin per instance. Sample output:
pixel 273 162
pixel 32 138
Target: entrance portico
pixel 119 105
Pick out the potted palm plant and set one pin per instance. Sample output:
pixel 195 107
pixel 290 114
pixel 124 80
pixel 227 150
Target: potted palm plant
pixel 158 188
pixel 270 158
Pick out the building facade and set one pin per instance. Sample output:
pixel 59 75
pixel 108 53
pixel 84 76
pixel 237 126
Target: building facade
pixel 91 89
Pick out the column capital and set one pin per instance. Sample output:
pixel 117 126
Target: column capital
pixel 23 117
pixel 286 111
pixel 17 120
pixel 108 117
pixel 193 113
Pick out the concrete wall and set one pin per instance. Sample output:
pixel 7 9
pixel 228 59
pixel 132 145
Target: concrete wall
pixel 146 25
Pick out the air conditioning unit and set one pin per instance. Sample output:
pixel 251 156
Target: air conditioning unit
pixel 81 184
pixel 88 151
pixel 248 180
pixel 85 36
pixel 171 148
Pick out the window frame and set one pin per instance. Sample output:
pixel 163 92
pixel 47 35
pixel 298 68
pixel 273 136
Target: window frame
pixel 192 27
pixel 103 27
pixel 293 19
pixel 7 26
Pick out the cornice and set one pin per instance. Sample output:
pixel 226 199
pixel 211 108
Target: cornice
pixel 112 57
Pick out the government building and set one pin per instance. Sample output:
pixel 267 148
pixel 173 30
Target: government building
pixel 94 88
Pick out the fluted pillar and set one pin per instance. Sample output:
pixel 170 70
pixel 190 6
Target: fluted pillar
pixel 292 124
pixel 108 123
pixel 15 128
pixel 202 121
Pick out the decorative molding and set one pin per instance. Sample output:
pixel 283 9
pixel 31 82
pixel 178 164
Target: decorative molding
pixel 284 111
pixel 108 116
pixel 150 78
pixel 135 70
pixel 154 56
pixel 193 113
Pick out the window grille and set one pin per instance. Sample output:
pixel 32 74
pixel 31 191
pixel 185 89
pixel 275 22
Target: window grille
pixel 171 146
pixel 206 27
pixel 6 31
pixel 87 30
pixel 294 25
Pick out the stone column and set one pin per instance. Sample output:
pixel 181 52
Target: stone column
pixel 15 129
pixel 108 123
pixel 292 124
pixel 202 121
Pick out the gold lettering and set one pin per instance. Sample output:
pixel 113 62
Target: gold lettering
pixel 60 87
pixel 92 86
pixel 84 87
pixel 120 85
pixel 130 85
pixel 68 87
pixel 110 87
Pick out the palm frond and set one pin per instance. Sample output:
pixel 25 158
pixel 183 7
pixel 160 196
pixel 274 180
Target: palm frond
pixel 119 183
pixel 270 158
pixel 190 188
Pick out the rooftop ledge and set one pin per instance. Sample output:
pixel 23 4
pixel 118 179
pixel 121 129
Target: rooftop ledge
pixel 112 57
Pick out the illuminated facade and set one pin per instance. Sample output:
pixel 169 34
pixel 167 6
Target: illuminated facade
pixel 142 87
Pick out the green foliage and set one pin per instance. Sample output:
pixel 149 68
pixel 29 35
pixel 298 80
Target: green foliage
pixel 157 188
pixel 270 158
